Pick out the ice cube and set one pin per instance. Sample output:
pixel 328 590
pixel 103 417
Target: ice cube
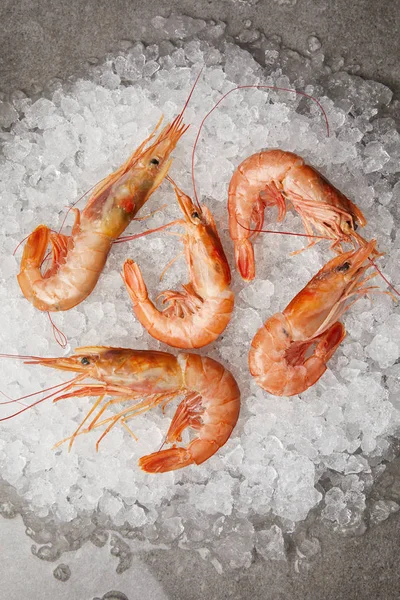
pixel 270 543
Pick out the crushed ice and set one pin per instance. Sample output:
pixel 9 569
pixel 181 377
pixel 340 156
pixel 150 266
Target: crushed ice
pixel 286 456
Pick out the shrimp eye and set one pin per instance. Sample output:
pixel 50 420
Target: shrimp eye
pixel 195 215
pixel 344 267
pixel 85 361
pixel 154 161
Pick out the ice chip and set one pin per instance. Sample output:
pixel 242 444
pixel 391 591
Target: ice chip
pixel 8 114
pixel 383 350
pixel 374 157
pixel 382 509
pixel 313 43
pixel 270 543
pixel 257 295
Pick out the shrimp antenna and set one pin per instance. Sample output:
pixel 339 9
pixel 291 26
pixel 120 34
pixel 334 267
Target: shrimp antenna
pixel 20 243
pixel 59 336
pixel 373 263
pixel 66 385
pixel 22 356
pixel 317 237
pixel 178 121
pixel 13 400
pixel 135 236
pixel 244 87
pixel 191 92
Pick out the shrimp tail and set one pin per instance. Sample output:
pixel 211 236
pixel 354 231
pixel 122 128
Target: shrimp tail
pixel 244 256
pixel 166 460
pixel 198 451
pixel 35 248
pixel 32 258
pixel 316 365
pixel 134 282
pixel 330 341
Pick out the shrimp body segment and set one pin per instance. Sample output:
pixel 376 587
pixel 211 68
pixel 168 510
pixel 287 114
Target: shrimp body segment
pixel 197 315
pixel 210 404
pixel 270 178
pixel 289 352
pixel 78 259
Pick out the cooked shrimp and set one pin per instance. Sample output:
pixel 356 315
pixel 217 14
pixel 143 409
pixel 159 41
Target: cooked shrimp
pixel 289 352
pixel 210 405
pixel 78 259
pixel 197 315
pixel 270 178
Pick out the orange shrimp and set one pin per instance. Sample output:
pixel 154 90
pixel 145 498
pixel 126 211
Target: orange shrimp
pixel 78 259
pixel 270 178
pixel 197 315
pixel 210 404
pixel 289 352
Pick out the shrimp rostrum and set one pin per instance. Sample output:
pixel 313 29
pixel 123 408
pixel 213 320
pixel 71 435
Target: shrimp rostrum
pixel 289 352
pixel 197 315
pixel 268 179
pixel 78 260
pixel 210 404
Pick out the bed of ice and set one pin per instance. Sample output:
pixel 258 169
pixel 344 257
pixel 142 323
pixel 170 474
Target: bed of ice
pixel 320 450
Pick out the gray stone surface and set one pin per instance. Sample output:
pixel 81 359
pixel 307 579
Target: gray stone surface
pixel 365 567
pixel 43 39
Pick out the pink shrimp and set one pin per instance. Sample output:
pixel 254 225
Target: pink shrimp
pixel 268 179
pixel 210 404
pixel 78 260
pixel 197 315
pixel 289 352
pixel 271 177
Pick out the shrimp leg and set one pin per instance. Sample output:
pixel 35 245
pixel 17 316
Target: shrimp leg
pixel 188 414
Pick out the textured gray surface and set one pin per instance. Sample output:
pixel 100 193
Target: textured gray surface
pixel 40 40
pixel 365 567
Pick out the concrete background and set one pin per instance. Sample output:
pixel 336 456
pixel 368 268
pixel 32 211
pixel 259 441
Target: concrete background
pixel 42 39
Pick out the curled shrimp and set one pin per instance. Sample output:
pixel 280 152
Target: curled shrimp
pixel 270 178
pixel 289 352
pixel 197 315
pixel 210 404
pixel 78 259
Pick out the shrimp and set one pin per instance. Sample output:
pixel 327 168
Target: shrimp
pixel 289 352
pixel 197 315
pixel 270 178
pixel 78 259
pixel 210 404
